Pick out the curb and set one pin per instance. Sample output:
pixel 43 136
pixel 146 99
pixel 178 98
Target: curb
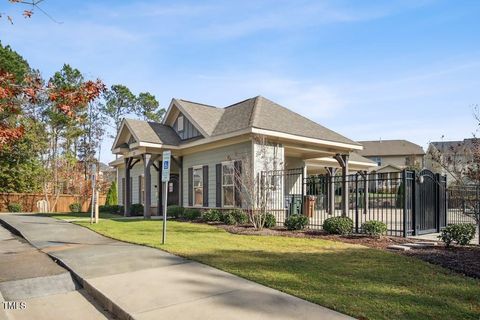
pixel 96 294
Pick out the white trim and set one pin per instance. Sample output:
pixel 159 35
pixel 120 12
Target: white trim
pixel 196 167
pixel 185 113
pixel 233 185
pixel 306 139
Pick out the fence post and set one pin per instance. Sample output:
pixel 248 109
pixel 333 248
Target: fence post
pixel 414 203
pixel 404 181
pixel 356 203
pixel 303 191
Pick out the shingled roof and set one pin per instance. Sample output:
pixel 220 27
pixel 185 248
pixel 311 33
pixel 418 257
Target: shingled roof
pixel 153 132
pixel 465 146
pixel 261 113
pixel 390 148
pixel 257 112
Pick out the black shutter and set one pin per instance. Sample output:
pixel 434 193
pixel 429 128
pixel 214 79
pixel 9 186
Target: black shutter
pixel 218 185
pixel 140 189
pixel 124 194
pixel 205 186
pixel 190 187
pixel 238 185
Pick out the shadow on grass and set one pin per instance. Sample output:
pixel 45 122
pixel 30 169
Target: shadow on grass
pixel 363 283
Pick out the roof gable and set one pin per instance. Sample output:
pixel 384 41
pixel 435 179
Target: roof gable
pixel 145 131
pixel 390 148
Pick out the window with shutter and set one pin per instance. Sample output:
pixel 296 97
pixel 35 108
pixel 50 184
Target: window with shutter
pixel 198 186
pixel 228 184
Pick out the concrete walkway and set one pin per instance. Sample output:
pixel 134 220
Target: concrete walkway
pixel 434 237
pixel 48 291
pixel 137 282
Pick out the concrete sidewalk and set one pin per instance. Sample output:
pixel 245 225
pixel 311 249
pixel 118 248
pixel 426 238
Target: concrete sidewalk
pixel 47 290
pixel 137 282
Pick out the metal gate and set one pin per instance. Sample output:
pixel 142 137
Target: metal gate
pixel 430 210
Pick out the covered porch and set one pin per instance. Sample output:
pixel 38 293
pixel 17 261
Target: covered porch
pixel 139 181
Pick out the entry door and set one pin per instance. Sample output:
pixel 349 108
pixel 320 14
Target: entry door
pixel 173 190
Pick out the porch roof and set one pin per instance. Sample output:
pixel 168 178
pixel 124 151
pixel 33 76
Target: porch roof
pixel 356 163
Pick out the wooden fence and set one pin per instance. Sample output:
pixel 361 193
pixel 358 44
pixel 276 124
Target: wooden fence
pixel 29 201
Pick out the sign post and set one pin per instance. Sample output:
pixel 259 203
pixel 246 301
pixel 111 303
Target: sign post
pixel 94 172
pixel 165 178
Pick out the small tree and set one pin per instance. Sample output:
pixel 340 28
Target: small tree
pixel 112 195
pixel 255 187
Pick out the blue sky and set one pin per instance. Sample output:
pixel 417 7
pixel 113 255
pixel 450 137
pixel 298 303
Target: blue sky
pixel 367 69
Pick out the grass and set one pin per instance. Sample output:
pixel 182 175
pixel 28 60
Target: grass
pixel 79 215
pixel 358 281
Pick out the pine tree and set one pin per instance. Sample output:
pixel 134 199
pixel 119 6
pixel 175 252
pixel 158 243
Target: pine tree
pixel 112 195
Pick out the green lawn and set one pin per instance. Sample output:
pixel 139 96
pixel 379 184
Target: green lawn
pixel 362 282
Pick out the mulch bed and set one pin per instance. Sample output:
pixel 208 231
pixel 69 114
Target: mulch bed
pixel 464 260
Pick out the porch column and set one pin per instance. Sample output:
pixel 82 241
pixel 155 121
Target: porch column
pixel 331 189
pixel 343 161
pixel 128 187
pixel 147 189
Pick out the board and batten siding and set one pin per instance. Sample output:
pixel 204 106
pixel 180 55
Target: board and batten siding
pixel 189 131
pixel 212 158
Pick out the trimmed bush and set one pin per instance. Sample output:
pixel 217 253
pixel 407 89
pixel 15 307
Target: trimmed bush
pixel 14 207
pixel 113 209
pixel 374 228
pixel 270 221
pixel 461 234
pixel 75 207
pixel 175 211
pixel 212 215
pixel 228 218
pixel 112 195
pixel 136 209
pixel 191 214
pixel 296 222
pixel 239 215
pixel 338 225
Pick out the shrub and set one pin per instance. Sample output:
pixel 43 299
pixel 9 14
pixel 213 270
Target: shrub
pixel 14 207
pixel 374 228
pixel 136 209
pixel 270 221
pixel 75 207
pixel 462 234
pixel 212 215
pixel 175 211
pixel 112 195
pixel 296 222
pixel 239 215
pixel 113 209
pixel 191 214
pixel 338 225
pixel 228 218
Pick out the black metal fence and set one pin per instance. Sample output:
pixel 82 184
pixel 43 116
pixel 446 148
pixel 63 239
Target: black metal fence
pixel 463 204
pixel 408 202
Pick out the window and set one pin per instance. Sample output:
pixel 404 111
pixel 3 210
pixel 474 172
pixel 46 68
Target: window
pixel 378 160
pixel 198 186
pixel 228 184
pixel 180 124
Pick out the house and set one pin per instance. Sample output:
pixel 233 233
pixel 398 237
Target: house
pixel 209 144
pixel 392 157
pixel 451 157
